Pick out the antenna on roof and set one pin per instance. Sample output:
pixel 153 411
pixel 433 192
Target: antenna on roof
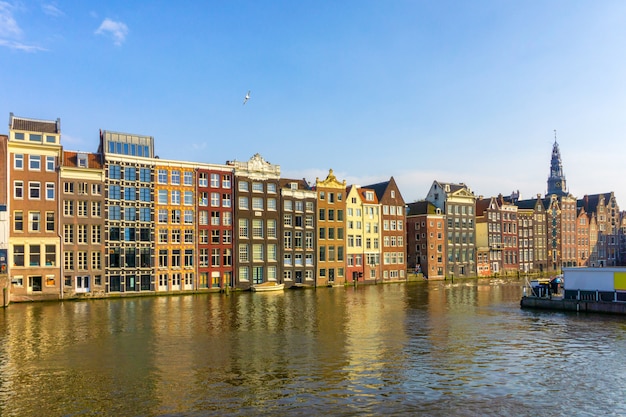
pixel 554 135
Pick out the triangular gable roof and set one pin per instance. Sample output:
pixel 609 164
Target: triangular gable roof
pixel 381 188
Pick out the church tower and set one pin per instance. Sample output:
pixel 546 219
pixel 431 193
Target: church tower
pixel 556 180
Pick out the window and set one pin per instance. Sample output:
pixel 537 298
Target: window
pixel 96 260
pixel 96 209
pixel 34 190
pixel 18 161
pixel 271 228
pixel 34 221
pixel 203 180
pixel 162 197
pixel 34 162
pixel 175 219
pixel 162 176
pixel 18 221
pixel 215 218
pixel 144 214
pixel 145 175
pixel 68 187
pixel 215 180
pixel 188 178
pixel 175 197
pixel 35 255
pixel 226 202
pixel 226 181
pixel 243 203
pixel 243 186
pixel 82 208
pixel 68 207
pixel 18 189
pixel 96 232
pixel 175 177
pixel 203 217
pixel 68 233
pixel 243 227
pixel 115 213
pixel 243 253
pixel 162 216
pixel 188 217
pixel 114 192
pixel 18 255
pixel 188 199
pixel 50 221
pixel 115 172
pixel 271 188
pixel 215 199
pixel 271 204
pixel 215 257
pixel 257 203
pixel 257 228
pixel 257 187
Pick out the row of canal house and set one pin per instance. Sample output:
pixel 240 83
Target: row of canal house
pixel 124 221
pixel 454 233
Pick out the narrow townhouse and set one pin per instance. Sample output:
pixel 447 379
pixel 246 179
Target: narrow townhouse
pixel 426 240
pixel 258 239
pixel 34 154
pixel 331 224
pixel 457 202
pixel 175 204
pixel 354 235
pixel 393 219
pixel 298 204
pixel 215 221
pixel 582 237
pixel 82 224
pixel 129 207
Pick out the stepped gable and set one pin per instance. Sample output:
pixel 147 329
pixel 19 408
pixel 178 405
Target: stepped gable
pixel 590 202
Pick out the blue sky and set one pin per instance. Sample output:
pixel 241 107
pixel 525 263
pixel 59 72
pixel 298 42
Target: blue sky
pixel 463 91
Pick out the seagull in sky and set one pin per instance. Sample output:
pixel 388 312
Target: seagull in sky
pixel 246 98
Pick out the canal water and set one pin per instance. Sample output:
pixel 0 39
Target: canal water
pixel 427 348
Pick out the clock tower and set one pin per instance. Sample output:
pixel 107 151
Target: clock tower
pixel 556 180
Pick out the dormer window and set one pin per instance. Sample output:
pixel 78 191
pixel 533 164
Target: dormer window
pixel 82 160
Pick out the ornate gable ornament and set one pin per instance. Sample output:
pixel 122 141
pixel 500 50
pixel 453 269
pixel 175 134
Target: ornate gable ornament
pixel 331 181
pixel 257 165
pixel 463 192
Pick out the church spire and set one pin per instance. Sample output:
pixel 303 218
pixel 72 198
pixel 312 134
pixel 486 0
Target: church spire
pixel 556 180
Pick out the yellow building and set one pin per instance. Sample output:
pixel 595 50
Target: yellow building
pixel 331 224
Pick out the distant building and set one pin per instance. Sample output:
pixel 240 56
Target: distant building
pixel 426 239
pixel 458 203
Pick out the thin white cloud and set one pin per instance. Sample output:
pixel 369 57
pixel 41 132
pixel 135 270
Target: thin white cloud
pixel 117 30
pixel 20 46
pixel 8 25
pixel 10 31
pixel 52 10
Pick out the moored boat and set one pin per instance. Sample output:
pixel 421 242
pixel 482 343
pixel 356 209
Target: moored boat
pixel 268 286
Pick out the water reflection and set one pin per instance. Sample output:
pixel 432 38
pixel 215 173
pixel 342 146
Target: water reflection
pixel 439 348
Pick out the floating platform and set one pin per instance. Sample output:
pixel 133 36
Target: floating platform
pixel 561 304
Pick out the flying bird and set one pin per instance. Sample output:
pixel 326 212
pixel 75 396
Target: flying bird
pixel 246 98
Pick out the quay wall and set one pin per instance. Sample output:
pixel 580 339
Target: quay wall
pixel 573 305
